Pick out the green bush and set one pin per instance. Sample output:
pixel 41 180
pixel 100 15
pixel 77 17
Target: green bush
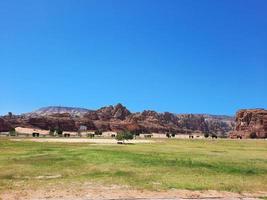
pixel 126 135
pixel 59 132
pixel 51 131
pixel 12 132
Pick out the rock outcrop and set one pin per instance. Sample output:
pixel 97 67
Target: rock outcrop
pixel 250 123
pixel 73 111
pixel 118 118
pixel 4 125
pixel 64 123
pixel 113 112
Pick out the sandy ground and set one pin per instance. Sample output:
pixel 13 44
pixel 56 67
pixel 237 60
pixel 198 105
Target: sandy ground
pixel 81 140
pixel 90 191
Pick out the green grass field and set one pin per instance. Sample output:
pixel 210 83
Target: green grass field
pixel 230 165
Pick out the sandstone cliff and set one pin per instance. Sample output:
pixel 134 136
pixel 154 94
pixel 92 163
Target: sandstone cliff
pixel 118 117
pixel 4 125
pixel 250 123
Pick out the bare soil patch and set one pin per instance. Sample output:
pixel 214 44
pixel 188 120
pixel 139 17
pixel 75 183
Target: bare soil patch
pixel 95 192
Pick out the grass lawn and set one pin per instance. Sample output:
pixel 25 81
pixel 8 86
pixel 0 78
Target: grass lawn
pixel 230 165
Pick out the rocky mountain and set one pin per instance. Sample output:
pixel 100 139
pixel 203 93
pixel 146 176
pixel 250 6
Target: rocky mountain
pixel 250 123
pixel 118 118
pixel 46 111
pixel 4 125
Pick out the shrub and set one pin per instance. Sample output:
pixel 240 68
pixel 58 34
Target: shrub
pixel 168 135
pixel 119 136
pixel 51 131
pixel 90 135
pixel 173 134
pixel 137 134
pixel 126 135
pixel 98 132
pixel 12 132
pixel 253 135
pixel 59 132
pixel 206 135
pixel 10 114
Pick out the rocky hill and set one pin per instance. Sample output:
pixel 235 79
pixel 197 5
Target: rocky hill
pixel 4 125
pixel 46 111
pixel 118 118
pixel 250 123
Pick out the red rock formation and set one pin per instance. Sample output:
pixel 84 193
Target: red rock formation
pixel 91 115
pixel 118 118
pixel 251 123
pixel 4 125
pixel 117 112
pixel 64 123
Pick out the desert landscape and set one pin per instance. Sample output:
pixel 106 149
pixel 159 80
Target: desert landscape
pixel 133 100
pixel 157 169
pixel 107 121
pixel 181 158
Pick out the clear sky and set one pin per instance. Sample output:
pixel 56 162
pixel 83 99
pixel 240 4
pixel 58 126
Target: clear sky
pixel 182 56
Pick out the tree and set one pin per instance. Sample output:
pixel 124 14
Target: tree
pixel 98 132
pixel 90 135
pixel 125 135
pixel 59 132
pixel 10 114
pixel 79 133
pixel 12 132
pixel 253 135
pixel 119 136
pixel 206 135
pixel 213 135
pixel 51 131
pixel 137 134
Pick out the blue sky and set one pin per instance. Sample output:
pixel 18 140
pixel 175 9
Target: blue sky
pixel 182 56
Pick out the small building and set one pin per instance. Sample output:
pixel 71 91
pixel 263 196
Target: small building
pixel 4 134
pixel 111 134
pixel 147 135
pixel 31 132
pixel 83 128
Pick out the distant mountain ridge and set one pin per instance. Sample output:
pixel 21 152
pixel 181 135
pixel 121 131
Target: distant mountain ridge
pixel 50 110
pixel 118 118
pixel 248 123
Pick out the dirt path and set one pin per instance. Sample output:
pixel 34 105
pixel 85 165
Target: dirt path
pixel 91 191
pixel 81 140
